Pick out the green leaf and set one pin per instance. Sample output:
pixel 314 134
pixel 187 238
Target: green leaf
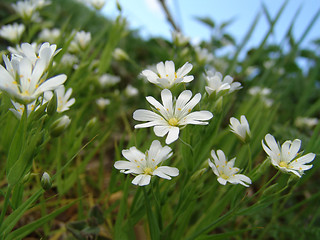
pixel 16 147
pixel 152 221
pixel 207 21
pixel 29 228
pixel 15 216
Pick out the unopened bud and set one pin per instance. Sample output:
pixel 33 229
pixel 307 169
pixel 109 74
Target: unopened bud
pixel 92 122
pixel 52 105
pixel 46 182
pixel 26 177
pixel 120 55
pixel 59 126
pixel 118 6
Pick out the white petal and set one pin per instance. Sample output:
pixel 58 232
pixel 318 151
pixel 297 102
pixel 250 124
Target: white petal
pixel 222 181
pixel 51 83
pixel 166 97
pixel 173 135
pixel 166 172
pixel 294 149
pixel 185 69
pixel 161 69
pixel 182 100
pixel 145 115
pixel 151 76
pixel 133 154
pixel 196 118
pixel 123 165
pixel 141 180
pixel 303 160
pixel 160 131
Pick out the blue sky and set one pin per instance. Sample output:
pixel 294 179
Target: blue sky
pixel 148 17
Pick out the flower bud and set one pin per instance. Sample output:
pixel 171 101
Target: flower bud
pixel 91 123
pixel 26 177
pixel 52 105
pixel 59 126
pixel 120 55
pixel 46 182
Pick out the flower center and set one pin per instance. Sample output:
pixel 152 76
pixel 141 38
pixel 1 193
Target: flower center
pixel 148 171
pixel 224 176
pixel 173 121
pixel 283 164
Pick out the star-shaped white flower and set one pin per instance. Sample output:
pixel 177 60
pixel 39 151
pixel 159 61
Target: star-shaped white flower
pixel 240 128
pixel 217 85
pixel 80 41
pixel 286 157
pixel 144 166
pixel 225 170
pixel 25 82
pixel 45 51
pixel 12 32
pixel 167 76
pixel 63 101
pixel 170 116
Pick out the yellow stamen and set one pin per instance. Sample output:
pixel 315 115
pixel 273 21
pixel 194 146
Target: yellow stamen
pixel 148 171
pixel 283 164
pixel 173 121
pixel 224 176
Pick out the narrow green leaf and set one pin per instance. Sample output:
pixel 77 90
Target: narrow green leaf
pixel 29 228
pixel 152 221
pixel 15 216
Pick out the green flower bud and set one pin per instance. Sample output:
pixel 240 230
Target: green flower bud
pixel 120 55
pixel 52 106
pixel 59 126
pixel 26 177
pixel 46 182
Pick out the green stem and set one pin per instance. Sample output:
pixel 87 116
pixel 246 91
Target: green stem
pixel 5 204
pixel 249 166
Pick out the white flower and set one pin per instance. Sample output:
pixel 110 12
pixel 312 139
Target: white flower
pixel 225 170
pixel 80 41
pixel 131 91
pixel 33 53
pixel 144 166
pixel 12 32
pixel 302 122
pixel 102 102
pixel 166 75
pixel 49 35
pixel 240 128
pixel 25 82
pixel 69 59
pixel 19 108
pixel 171 116
pixel 263 93
pixel 179 39
pixel 63 101
pixel 286 157
pixel 108 80
pixel 259 91
pixel 97 4
pixel 203 55
pixel 216 84
pixel 27 9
